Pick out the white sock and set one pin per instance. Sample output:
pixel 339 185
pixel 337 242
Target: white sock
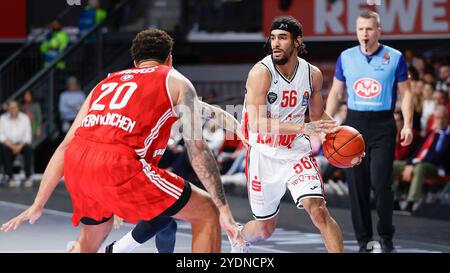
pixel 126 244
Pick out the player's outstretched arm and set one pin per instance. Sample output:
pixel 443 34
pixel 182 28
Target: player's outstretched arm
pixel 223 119
pixel 201 157
pixel 202 160
pixel 50 179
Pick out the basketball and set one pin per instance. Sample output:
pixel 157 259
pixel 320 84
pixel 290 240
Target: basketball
pixel 344 147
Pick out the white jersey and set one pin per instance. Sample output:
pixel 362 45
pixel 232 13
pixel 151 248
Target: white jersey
pixel 287 101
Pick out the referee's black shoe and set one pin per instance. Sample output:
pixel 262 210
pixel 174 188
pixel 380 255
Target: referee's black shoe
pixel 387 246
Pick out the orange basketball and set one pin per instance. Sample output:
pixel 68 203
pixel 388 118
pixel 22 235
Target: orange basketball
pixel 344 147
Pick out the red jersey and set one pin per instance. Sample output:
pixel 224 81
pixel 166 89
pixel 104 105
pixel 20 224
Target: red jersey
pixel 132 107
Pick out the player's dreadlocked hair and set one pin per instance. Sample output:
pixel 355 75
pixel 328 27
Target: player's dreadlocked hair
pixel 151 43
pixel 291 25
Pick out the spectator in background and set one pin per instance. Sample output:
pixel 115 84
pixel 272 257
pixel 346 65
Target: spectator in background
pixel 427 105
pixel 448 96
pixel 54 45
pixel 428 77
pixel 439 98
pixel 444 78
pixel 411 59
pixel 34 113
pixel 91 16
pixel 15 139
pixel 431 159
pixel 70 102
pixel 416 88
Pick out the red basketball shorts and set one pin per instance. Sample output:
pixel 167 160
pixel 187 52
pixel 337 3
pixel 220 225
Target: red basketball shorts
pixel 106 179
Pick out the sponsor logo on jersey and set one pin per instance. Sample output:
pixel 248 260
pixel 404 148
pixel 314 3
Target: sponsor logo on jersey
pixel 139 70
pixel 305 178
pixel 305 99
pixel 126 78
pixel 367 88
pixel 294 116
pixel 272 97
pixel 110 119
pixel 276 140
pixel 256 185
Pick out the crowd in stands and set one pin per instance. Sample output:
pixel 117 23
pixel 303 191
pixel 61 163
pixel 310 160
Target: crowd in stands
pixel 21 129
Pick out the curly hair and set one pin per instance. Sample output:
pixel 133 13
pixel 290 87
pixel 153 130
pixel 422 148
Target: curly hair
pixel 151 44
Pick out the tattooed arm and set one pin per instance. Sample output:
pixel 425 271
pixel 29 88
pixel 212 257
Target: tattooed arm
pixel 202 160
pixel 222 119
pixel 201 157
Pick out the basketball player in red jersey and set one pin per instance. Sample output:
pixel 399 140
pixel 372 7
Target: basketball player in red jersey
pixel 280 88
pixel 110 154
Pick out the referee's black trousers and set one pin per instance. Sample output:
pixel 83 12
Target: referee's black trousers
pixel 375 172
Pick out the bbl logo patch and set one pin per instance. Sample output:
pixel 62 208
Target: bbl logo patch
pixel 305 99
pixel 386 59
pixel 272 97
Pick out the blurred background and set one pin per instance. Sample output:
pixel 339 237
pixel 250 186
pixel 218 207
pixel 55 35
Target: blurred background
pixel 53 52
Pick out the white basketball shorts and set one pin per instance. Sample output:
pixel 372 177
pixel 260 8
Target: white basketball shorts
pixel 268 178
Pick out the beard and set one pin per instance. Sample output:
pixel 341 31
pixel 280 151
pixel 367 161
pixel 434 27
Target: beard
pixel 283 60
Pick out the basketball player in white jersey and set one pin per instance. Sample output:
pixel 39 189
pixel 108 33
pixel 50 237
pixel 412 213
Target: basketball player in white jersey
pixel 280 89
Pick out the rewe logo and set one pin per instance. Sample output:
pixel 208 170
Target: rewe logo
pixel 367 88
pixel 73 2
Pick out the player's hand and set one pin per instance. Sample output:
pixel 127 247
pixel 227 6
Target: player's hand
pixel 360 159
pixel 319 127
pixel 230 226
pixel 406 136
pixel 32 214
pixel 117 222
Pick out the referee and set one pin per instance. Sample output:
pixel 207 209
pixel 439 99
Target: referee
pixel 372 74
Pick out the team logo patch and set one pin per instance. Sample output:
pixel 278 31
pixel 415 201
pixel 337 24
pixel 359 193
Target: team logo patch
pixel 386 58
pixel 367 88
pixel 272 97
pixel 125 78
pixel 305 99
